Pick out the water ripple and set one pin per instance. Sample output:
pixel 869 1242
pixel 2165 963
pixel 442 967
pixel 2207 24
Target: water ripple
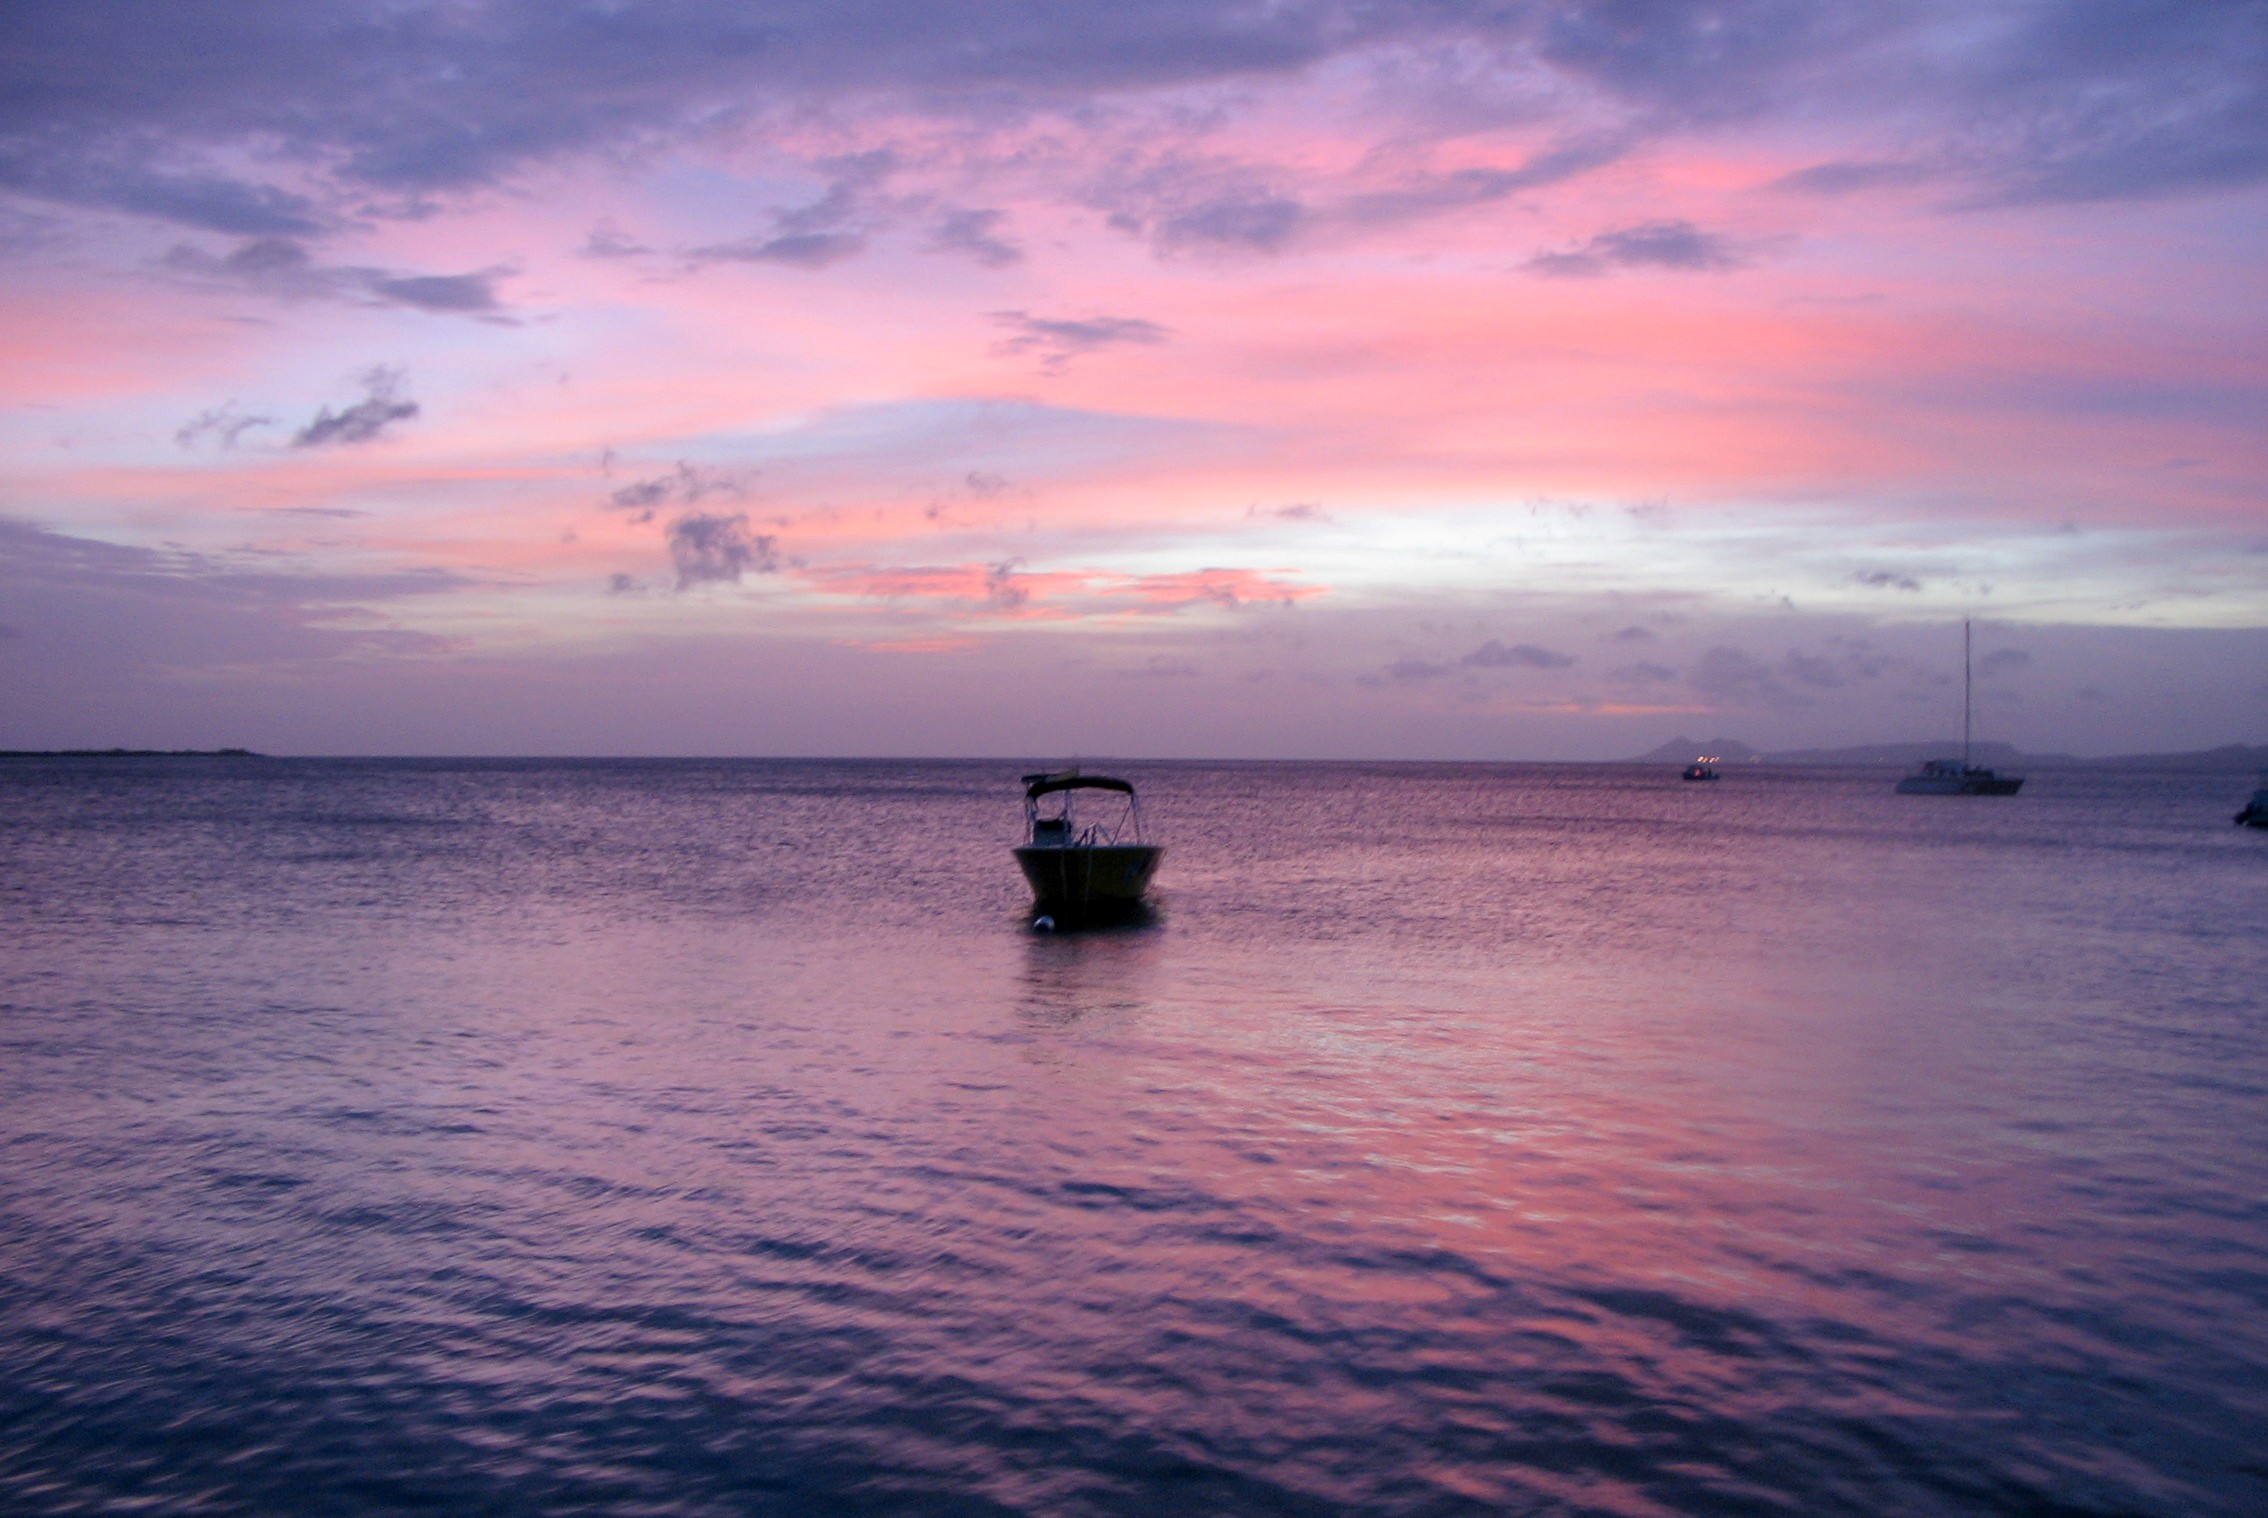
pixel 710 1138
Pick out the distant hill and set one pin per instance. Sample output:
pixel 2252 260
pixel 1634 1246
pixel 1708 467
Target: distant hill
pixel 2229 758
pixel 1683 750
pixel 129 753
pixel 1995 755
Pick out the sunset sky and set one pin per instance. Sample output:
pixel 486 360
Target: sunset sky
pixel 1306 379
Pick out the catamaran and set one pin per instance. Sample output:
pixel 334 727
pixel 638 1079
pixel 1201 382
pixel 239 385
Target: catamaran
pixel 1946 777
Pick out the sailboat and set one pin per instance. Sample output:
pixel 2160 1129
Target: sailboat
pixel 1946 777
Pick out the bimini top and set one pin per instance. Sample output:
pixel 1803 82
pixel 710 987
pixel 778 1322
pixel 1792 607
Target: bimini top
pixel 1036 786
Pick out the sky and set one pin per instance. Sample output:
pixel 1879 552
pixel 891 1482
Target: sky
pixel 1397 379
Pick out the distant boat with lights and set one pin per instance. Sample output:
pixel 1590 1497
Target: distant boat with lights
pixel 1084 854
pixel 1704 767
pixel 1947 777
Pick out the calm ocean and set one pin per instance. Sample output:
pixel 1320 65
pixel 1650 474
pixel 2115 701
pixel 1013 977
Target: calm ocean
pixel 715 1138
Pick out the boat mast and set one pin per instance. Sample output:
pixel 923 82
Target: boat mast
pixel 1964 693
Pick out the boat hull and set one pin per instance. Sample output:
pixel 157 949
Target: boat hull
pixel 1086 880
pixel 1960 785
pixel 2255 813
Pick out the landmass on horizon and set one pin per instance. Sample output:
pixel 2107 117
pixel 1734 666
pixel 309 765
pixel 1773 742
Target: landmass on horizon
pixel 130 753
pixel 2232 757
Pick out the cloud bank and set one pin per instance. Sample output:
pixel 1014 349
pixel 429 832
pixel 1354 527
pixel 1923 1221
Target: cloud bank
pixel 1404 359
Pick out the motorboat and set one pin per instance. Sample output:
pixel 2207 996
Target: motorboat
pixel 1084 853
pixel 2255 812
pixel 1702 768
pixel 1949 777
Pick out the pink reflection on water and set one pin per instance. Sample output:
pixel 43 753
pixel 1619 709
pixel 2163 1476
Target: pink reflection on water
pixel 1427 1143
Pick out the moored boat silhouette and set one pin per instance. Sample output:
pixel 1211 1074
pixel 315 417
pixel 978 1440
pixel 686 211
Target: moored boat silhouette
pixel 1084 862
pixel 1948 777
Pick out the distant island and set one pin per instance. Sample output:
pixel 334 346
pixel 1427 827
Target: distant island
pixel 129 753
pixel 2229 758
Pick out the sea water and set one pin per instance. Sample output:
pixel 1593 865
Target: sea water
pixel 720 1138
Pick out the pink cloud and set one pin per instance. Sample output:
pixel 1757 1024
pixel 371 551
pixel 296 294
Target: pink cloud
pixel 1007 590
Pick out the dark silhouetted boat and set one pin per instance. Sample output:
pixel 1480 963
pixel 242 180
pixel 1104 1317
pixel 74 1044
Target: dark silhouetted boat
pixel 1947 777
pixel 1084 861
pixel 1702 768
pixel 2255 812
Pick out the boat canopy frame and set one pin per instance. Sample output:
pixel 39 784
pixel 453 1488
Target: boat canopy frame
pixel 1036 786
pixel 1066 833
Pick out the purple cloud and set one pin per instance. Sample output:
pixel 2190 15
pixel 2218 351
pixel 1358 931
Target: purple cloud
pixel 975 235
pixel 282 268
pixel 296 118
pixel 1057 340
pixel 1678 245
pixel 380 407
pixel 706 550
pixel 800 250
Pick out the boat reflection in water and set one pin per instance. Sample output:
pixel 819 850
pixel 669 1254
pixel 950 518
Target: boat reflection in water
pixel 1085 864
